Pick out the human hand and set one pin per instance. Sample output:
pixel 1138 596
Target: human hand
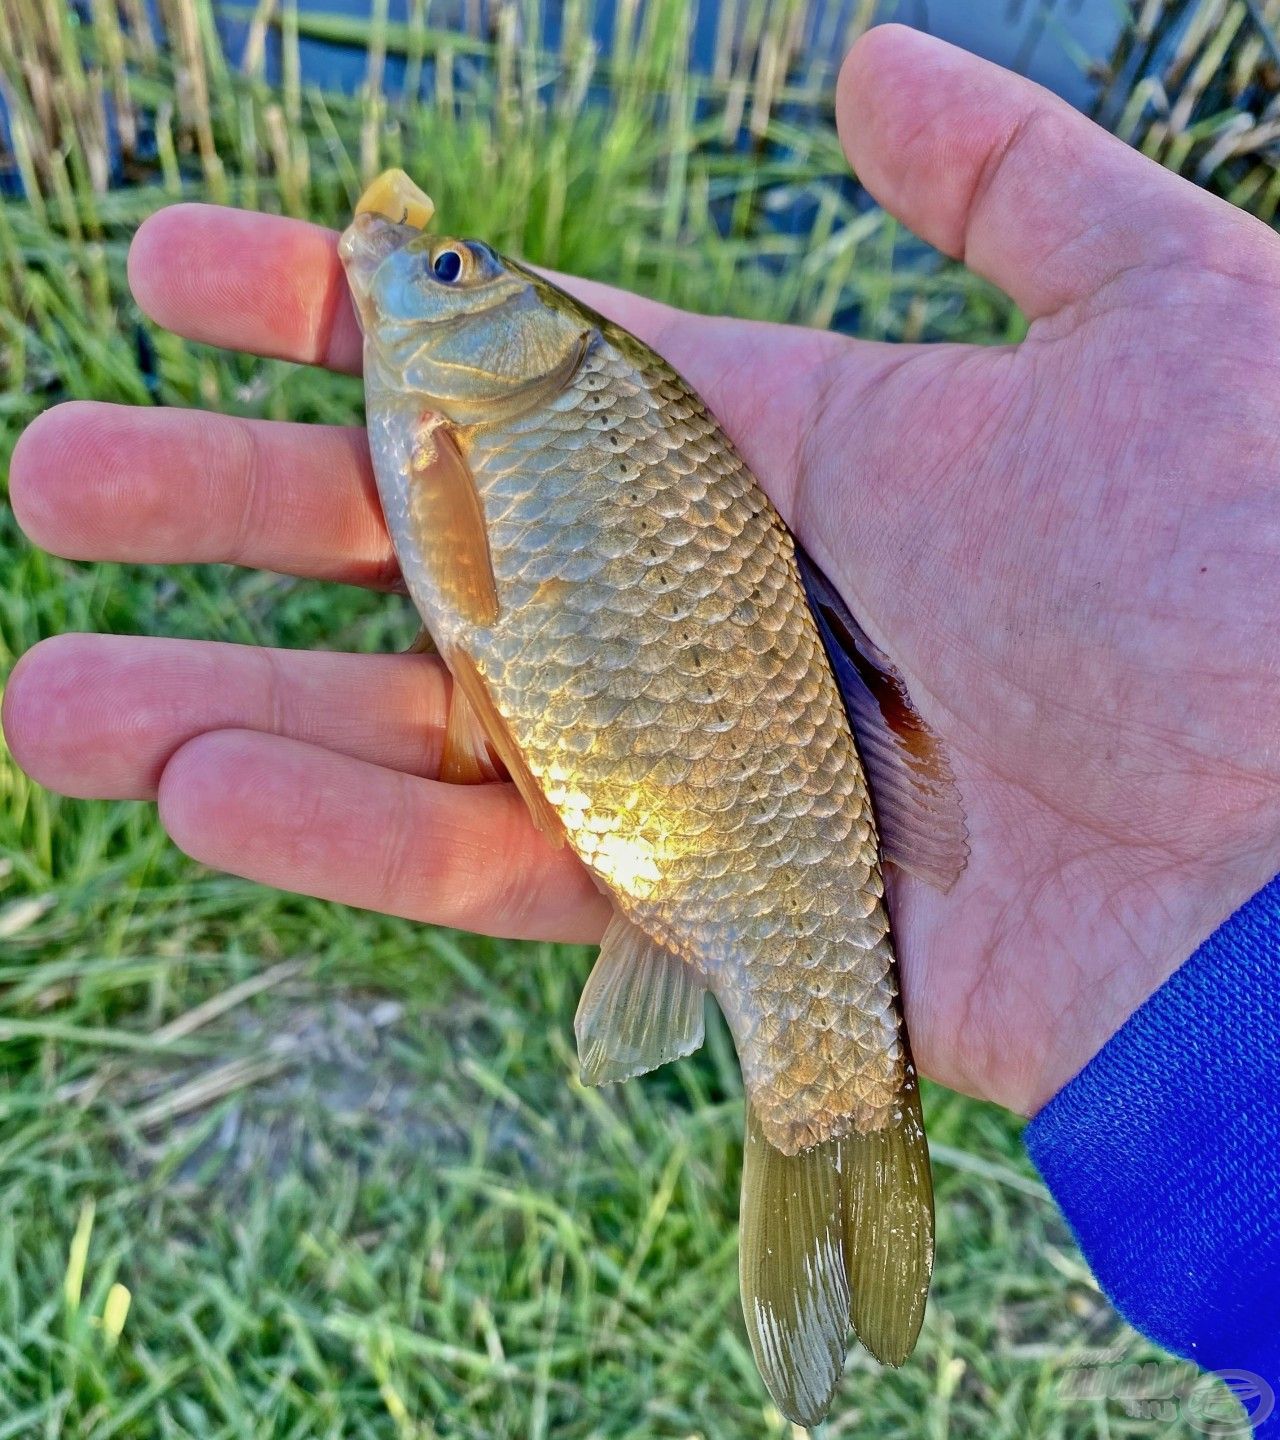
pixel 1069 547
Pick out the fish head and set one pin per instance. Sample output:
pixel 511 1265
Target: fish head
pixel 465 331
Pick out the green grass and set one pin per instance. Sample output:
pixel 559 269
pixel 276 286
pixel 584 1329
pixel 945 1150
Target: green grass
pixel 341 1164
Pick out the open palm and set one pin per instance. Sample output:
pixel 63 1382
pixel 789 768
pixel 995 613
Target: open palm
pixel 1070 547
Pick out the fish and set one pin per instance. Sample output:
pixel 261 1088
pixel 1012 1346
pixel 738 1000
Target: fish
pixel 684 700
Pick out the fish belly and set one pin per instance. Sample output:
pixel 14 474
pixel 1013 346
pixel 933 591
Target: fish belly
pixel 657 665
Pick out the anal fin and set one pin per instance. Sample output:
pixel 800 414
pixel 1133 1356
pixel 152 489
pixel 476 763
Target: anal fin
pixel 836 1237
pixel 641 1007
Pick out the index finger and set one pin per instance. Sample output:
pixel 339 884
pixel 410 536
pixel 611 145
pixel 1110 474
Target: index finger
pixel 246 281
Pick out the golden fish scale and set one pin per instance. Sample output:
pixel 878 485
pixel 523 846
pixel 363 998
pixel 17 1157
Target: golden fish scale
pixel 658 666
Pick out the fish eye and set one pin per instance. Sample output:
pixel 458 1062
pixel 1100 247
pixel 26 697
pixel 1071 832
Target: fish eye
pixel 447 266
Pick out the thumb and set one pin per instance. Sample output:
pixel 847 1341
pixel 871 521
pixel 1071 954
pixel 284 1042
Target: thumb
pixel 998 172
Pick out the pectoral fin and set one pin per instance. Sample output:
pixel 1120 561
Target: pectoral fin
pixel 445 510
pixel 837 1236
pixel 913 789
pixel 641 1006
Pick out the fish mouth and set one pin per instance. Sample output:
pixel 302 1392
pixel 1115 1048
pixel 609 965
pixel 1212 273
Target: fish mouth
pixel 362 248
pixel 389 213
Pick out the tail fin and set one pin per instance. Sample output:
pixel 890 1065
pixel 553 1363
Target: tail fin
pixel 837 1236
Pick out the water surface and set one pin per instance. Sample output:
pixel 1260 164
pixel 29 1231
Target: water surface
pixel 1051 40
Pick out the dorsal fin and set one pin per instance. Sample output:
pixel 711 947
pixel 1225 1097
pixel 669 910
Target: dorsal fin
pixel 913 790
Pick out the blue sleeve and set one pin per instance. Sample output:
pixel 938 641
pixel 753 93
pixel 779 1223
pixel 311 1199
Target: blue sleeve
pixel 1164 1155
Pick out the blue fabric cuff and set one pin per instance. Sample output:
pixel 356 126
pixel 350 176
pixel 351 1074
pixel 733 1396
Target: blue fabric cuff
pixel 1164 1155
